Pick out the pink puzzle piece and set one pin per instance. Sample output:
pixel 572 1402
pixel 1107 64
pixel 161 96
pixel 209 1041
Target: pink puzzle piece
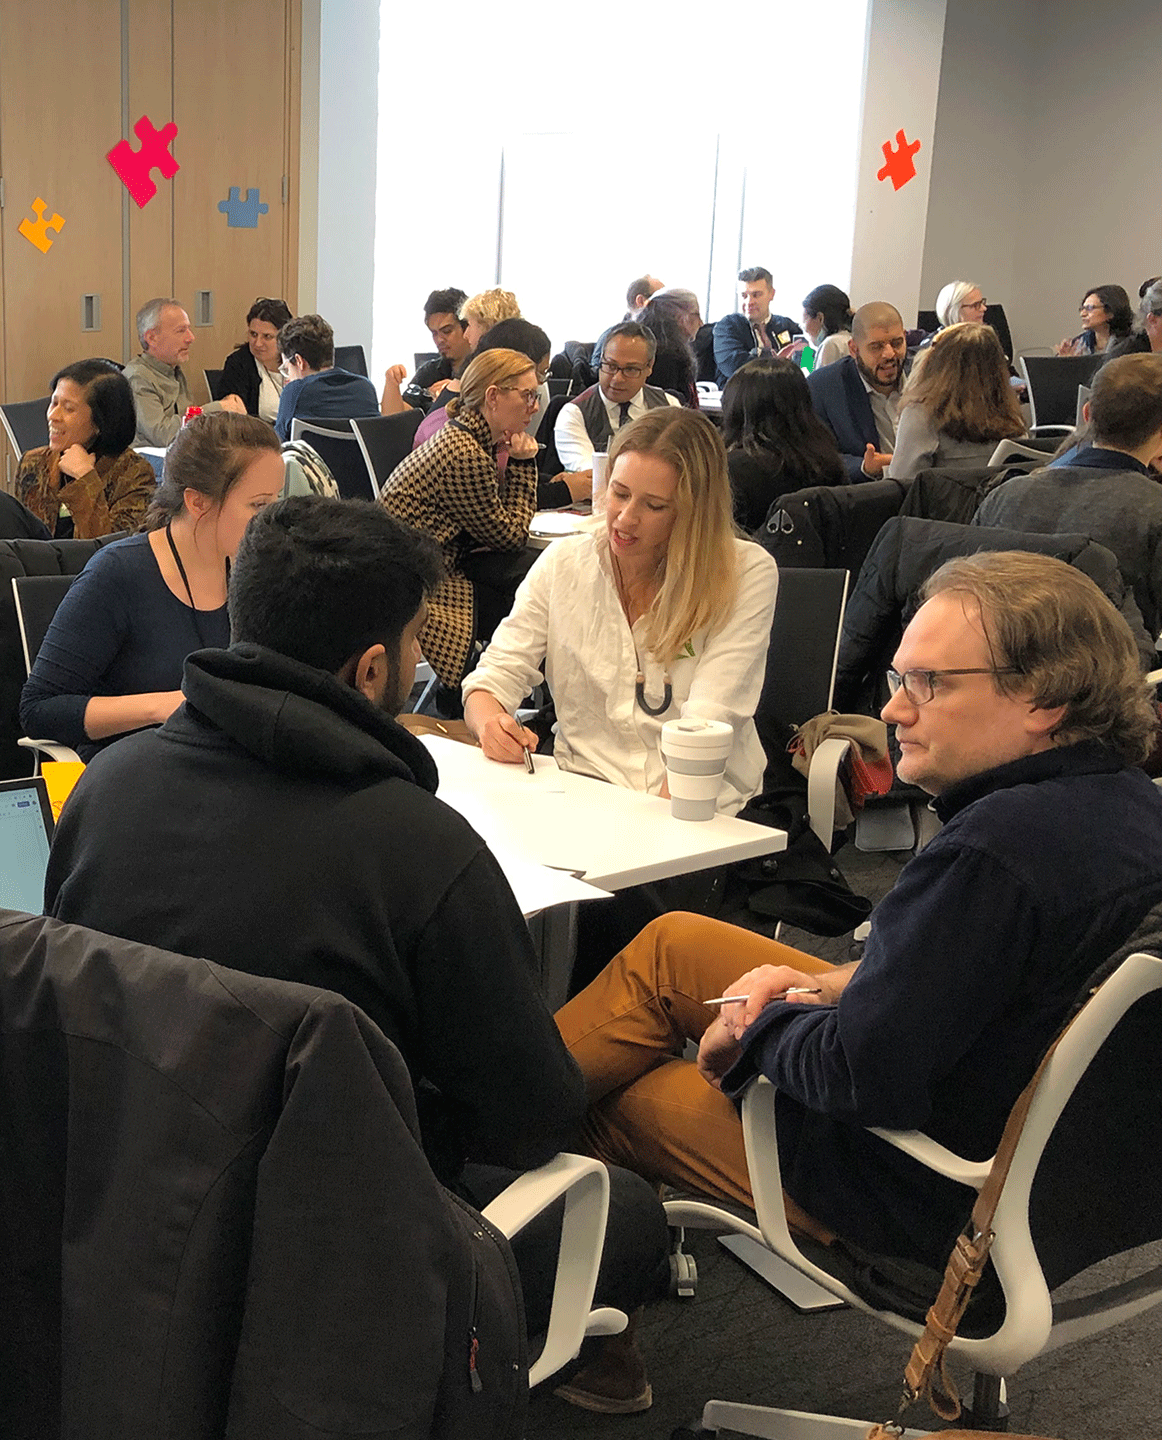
pixel 133 166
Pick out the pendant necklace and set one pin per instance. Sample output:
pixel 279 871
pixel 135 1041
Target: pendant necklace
pixel 640 686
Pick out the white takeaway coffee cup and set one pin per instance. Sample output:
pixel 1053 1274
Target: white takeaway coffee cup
pixel 695 753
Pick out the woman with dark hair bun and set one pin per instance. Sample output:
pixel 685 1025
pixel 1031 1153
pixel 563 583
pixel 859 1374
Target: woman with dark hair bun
pixel 1106 318
pixel 827 323
pixel 251 371
pixel 775 443
pixel 88 480
pixel 112 659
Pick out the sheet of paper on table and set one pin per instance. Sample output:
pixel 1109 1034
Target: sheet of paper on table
pixel 463 770
pixel 548 523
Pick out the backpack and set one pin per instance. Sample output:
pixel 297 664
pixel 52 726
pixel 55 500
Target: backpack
pixel 306 471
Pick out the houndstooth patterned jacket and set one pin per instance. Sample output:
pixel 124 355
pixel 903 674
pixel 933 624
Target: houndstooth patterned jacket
pixel 450 488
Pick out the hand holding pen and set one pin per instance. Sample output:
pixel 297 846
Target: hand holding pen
pixel 504 738
pixel 755 990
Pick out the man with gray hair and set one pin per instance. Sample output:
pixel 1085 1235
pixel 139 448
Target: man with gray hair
pixel 161 394
pixel 590 421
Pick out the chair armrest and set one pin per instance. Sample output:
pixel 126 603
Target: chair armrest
pixel 51 749
pixel 1035 430
pixel 822 778
pixel 935 1157
pixel 585 1185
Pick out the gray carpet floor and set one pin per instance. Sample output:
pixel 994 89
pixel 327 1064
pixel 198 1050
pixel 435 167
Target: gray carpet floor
pixel 739 1340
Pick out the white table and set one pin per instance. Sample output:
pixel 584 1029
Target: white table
pixel 604 835
pixel 550 525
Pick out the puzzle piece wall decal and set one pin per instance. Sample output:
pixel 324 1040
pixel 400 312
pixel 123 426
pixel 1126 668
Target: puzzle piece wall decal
pixel 133 166
pixel 899 166
pixel 242 213
pixel 37 230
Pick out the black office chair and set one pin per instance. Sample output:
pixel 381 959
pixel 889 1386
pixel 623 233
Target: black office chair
pixel 17 522
pixel 214 383
pixel 351 358
pixel 25 423
pixel 385 440
pixel 1052 382
pixel 36 598
pixel 421 357
pixel 335 443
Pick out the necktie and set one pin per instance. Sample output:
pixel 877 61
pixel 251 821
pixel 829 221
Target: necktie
pixel 622 413
pixel 760 332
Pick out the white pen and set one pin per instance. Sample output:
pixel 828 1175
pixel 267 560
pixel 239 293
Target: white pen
pixel 794 990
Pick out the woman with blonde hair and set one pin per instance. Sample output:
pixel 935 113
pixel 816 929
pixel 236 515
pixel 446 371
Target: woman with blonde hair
pixel 450 487
pixel 957 404
pixel 483 311
pixel 658 612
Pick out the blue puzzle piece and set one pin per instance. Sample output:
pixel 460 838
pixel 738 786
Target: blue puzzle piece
pixel 242 213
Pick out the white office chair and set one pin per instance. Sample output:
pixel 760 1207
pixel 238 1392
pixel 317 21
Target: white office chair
pixel 1008 449
pixel 1032 1324
pixel 585 1185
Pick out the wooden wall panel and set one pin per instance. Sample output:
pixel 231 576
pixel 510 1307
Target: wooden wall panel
pixel 149 87
pixel 232 132
pixel 54 141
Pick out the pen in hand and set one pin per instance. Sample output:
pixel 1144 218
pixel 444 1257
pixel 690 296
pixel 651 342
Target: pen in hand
pixel 528 754
pixel 794 990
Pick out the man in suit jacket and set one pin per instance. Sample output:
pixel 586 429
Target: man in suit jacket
pixel 858 398
pixel 754 329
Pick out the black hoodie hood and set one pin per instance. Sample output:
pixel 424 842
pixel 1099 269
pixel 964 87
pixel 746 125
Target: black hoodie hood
pixel 296 718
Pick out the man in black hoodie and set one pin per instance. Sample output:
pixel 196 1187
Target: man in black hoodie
pixel 281 822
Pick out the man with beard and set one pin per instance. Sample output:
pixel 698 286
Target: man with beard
pixel 282 823
pixel 858 398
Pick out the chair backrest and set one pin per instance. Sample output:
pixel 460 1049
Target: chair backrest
pixel 1083 394
pixel 421 357
pixel 1028 449
pixel 214 383
pixel 558 386
pixel 351 358
pixel 335 442
pixel 804 645
pixel 994 315
pixel 1052 382
pixel 36 598
pixel 26 423
pixel 17 558
pixel 385 440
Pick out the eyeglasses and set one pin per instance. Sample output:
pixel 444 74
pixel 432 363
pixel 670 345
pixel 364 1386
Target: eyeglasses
pixel 918 685
pixel 631 372
pixel 1089 309
pixel 530 397
pixel 975 305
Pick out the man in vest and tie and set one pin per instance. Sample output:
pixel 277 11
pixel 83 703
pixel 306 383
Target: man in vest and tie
pixel 589 422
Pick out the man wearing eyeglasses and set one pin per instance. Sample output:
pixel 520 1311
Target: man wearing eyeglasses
pixel 1019 704
pixel 589 422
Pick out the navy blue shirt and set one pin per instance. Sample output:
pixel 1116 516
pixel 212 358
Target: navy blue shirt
pixel 1044 868
pixel 329 394
pixel 120 630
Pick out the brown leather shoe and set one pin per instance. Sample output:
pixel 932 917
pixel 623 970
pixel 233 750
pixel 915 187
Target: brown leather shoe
pixel 615 1383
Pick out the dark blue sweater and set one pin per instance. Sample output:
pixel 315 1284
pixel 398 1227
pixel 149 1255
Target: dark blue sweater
pixel 1044 867
pixel 120 630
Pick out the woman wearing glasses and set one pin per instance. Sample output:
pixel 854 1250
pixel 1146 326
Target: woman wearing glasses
pixel 658 612
pixel 451 488
pixel 1106 318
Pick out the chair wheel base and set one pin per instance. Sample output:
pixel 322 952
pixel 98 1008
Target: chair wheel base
pixel 683 1278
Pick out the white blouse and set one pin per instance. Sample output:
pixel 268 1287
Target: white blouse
pixel 567 616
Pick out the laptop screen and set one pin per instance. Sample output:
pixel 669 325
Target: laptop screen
pixel 25 836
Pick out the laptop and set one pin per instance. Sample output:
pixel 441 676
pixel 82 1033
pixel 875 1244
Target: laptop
pixel 25 836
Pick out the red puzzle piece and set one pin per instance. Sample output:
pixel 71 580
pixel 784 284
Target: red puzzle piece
pixel 133 166
pixel 898 164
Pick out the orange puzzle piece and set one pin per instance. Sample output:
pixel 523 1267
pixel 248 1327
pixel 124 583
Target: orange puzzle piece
pixel 36 231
